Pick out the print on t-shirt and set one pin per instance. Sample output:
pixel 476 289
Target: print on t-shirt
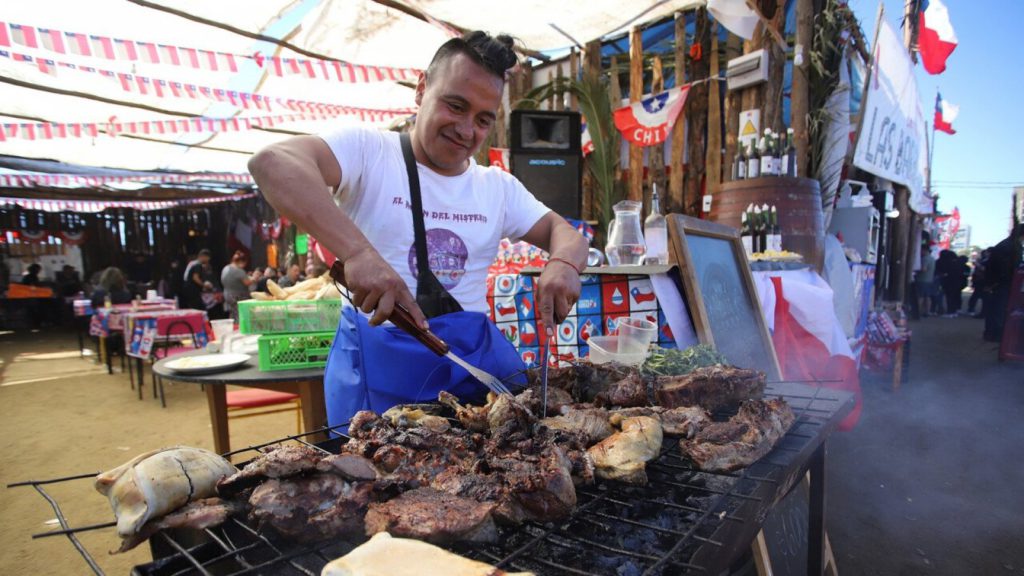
pixel 447 254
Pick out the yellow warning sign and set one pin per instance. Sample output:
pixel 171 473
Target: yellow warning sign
pixel 748 129
pixel 750 126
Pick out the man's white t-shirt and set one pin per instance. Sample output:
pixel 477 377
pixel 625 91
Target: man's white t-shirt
pixel 465 216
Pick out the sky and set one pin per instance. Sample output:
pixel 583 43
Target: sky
pixel 975 169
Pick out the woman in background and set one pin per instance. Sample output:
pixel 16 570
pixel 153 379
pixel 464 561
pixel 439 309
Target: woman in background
pixel 236 283
pixel 111 285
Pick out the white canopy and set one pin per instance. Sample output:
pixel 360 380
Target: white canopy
pixel 58 103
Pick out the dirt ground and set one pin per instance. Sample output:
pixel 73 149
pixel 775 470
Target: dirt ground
pixel 63 415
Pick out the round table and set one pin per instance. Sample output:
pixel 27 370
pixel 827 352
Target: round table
pixel 307 383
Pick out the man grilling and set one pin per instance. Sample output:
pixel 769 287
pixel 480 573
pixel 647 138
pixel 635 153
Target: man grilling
pixel 367 221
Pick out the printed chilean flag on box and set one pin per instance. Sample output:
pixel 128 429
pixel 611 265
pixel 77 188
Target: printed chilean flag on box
pixel 935 37
pixel 648 122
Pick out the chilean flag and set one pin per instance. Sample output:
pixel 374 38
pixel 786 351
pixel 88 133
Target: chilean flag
pixel 648 122
pixel 945 113
pixel 936 39
pixel 586 141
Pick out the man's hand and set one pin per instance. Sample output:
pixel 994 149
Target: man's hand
pixel 558 290
pixel 376 287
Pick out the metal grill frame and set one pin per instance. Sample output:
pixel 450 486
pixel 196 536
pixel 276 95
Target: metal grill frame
pixel 737 505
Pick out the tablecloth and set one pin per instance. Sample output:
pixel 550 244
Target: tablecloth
pixel 148 326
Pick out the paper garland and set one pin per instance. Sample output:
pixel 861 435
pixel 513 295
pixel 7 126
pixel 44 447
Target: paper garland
pixel 84 181
pixel 101 205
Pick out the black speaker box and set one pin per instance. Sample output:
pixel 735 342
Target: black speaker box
pixel 545 156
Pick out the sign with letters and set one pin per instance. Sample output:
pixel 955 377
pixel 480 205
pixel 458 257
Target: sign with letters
pixel 892 140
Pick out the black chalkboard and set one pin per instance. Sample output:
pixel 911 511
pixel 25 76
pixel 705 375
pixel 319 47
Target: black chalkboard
pixel 785 533
pixel 728 302
pixel 720 293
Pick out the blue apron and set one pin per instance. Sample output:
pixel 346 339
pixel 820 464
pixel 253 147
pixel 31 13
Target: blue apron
pixel 377 367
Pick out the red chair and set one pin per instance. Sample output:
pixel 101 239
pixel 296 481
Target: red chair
pixel 249 402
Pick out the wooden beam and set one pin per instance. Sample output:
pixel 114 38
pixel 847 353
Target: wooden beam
pixel 559 97
pixel 674 199
pixel 636 92
pixel 733 48
pixel 800 97
pixel 714 148
pixel 615 95
pixel 574 73
pixel 697 113
pixel 655 154
pixel 591 68
pixel 771 115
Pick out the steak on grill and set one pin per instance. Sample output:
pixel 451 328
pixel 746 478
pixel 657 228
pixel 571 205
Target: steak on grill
pixel 711 387
pixel 281 462
pixel 197 515
pixel 434 516
pixel 745 438
pixel 628 391
pixel 311 508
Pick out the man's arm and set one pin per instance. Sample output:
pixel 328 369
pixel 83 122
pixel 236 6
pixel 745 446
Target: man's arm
pixel 559 283
pixel 294 176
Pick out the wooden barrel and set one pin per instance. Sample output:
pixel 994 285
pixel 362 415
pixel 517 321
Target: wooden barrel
pixel 798 202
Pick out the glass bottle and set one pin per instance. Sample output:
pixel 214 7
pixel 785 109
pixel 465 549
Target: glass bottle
pixel 790 163
pixel 741 162
pixel 656 232
pixel 753 161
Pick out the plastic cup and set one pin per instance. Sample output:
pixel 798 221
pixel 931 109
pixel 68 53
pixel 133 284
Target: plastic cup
pixel 222 328
pixel 605 349
pixel 635 335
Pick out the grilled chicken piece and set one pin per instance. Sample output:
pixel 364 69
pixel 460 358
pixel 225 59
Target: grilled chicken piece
pixel 198 515
pixel 684 421
pixel 508 419
pixel 311 508
pixel 473 418
pixel 745 438
pixel 623 455
pixel 711 387
pixel 591 422
pixel 533 399
pixel 281 462
pixel 629 391
pixel 383 555
pixel 434 516
pixel 414 415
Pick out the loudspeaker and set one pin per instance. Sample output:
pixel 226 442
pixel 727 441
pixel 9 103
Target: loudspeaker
pixel 545 156
pixel 554 179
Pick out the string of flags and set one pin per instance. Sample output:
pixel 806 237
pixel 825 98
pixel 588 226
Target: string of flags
pixel 92 181
pixel 170 89
pixel 113 127
pixel 93 206
pixel 63 42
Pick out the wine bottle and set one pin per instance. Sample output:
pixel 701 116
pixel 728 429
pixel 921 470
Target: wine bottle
pixel 765 227
pixel 775 234
pixel 766 153
pixel 746 238
pixel 656 232
pixel 741 162
pixel 790 163
pixel 756 243
pixel 777 155
pixel 753 161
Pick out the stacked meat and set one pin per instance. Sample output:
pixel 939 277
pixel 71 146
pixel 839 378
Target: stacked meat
pixel 412 473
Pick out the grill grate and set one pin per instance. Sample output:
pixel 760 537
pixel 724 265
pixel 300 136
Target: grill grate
pixel 683 521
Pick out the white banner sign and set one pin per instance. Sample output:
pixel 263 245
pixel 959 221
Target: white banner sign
pixel 892 142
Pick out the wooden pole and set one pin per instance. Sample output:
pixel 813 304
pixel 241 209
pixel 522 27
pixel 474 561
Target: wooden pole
pixel 771 115
pixel 733 48
pixel 636 92
pixel 674 199
pixel 574 73
pixel 591 68
pixel 615 95
pixel 558 98
pixel 697 112
pixel 800 98
pixel 655 154
pixel 714 149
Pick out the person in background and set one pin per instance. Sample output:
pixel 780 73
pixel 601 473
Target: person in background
pixel 198 278
pixel 172 282
pixel 949 275
pixel 291 278
pixel 236 282
pixel 923 281
pixel 31 277
pixel 978 285
pixel 270 273
pixel 112 285
pixel 68 282
pixel 1004 259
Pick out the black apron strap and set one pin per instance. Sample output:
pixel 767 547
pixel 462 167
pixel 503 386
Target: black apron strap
pixel 431 295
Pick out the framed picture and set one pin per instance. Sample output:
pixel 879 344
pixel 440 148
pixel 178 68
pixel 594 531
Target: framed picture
pixel 720 294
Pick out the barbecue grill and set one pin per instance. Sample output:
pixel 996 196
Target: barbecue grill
pixel 683 521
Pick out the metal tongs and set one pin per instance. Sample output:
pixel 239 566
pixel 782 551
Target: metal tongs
pixel 401 317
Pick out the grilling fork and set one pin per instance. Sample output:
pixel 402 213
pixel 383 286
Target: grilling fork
pixel 402 318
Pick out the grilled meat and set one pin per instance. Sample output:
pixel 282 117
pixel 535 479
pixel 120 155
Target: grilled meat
pixel 628 391
pixel 415 415
pixel 711 387
pixel 533 399
pixel 311 508
pixel 509 420
pixel 471 417
pixel 538 476
pixel 746 437
pixel 591 422
pixel 197 515
pixel 623 455
pixel 434 516
pixel 684 421
pixel 281 462
pixel 348 466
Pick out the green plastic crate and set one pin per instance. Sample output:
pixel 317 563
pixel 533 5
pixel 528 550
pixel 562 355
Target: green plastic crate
pixel 294 351
pixel 288 316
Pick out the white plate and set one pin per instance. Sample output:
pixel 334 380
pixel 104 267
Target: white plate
pixel 207 363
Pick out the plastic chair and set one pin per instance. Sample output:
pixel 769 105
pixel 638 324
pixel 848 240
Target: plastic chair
pixel 250 402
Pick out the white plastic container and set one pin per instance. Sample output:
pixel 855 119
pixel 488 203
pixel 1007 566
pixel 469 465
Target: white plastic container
pixel 605 349
pixel 635 334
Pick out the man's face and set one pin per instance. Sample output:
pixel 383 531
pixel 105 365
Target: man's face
pixel 458 106
pixel 293 272
pixel 204 259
